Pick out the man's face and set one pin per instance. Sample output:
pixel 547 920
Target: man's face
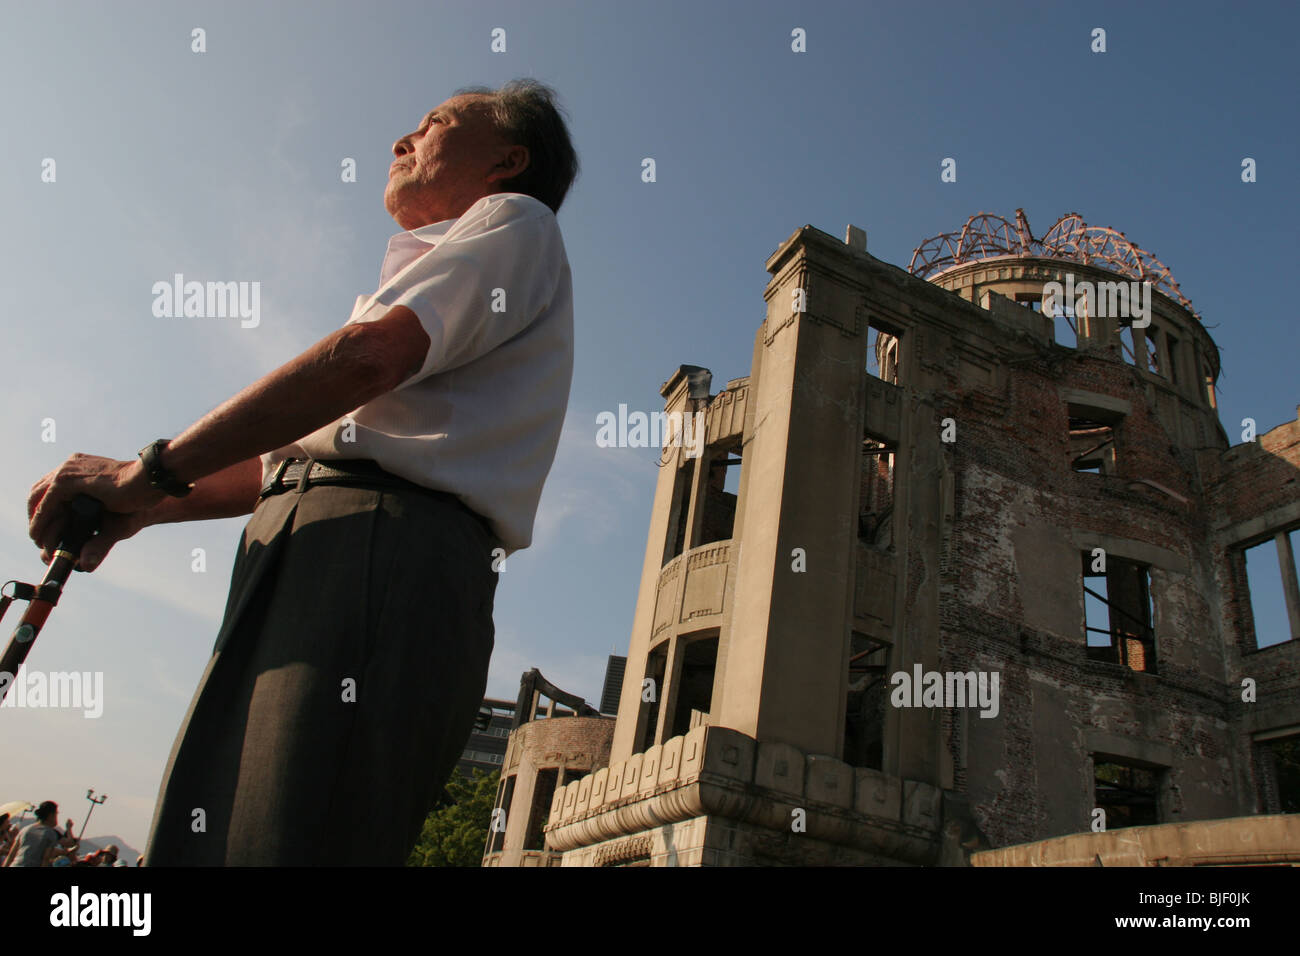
pixel 453 159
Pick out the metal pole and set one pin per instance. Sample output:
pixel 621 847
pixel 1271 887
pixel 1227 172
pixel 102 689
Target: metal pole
pixel 90 795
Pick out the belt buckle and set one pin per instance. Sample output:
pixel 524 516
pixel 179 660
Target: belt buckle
pixel 273 486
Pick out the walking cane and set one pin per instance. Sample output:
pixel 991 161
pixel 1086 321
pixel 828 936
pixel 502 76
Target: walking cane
pixel 41 598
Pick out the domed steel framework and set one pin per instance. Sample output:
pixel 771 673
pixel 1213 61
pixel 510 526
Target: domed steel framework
pixel 989 236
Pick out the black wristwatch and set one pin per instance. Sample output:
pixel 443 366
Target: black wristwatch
pixel 159 476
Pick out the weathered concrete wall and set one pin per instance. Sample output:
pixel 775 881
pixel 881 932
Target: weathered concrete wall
pixel 1240 841
pixel 1013 600
pixel 718 797
pixel 1253 492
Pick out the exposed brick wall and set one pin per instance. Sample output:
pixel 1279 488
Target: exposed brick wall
pixel 1254 478
pixel 1011 469
pixel 558 741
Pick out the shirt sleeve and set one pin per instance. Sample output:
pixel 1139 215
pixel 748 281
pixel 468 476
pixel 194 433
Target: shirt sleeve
pixel 489 278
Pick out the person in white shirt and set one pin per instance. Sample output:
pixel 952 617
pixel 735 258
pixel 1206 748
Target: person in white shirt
pixel 389 469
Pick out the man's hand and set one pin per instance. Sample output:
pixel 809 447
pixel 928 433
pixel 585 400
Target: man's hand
pixel 122 487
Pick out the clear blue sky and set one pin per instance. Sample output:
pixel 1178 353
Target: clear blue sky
pixel 225 165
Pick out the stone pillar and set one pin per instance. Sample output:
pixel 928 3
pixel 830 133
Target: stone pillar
pixel 1286 558
pixel 676 393
pixel 785 672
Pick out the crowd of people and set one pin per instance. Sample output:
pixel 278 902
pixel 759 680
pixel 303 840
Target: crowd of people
pixel 43 844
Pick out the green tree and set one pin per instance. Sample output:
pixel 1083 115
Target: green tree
pixel 455 833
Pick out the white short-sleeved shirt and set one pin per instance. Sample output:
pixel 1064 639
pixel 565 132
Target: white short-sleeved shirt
pixel 482 416
pixel 33 840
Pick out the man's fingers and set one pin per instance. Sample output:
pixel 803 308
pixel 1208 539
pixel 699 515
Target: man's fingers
pixel 113 528
pixel 91 558
pixel 49 519
pixel 47 504
pixel 37 493
pixel 96 549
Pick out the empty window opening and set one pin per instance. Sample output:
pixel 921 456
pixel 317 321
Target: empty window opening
pixel 719 518
pixel 540 812
pixel 1278 761
pixel 656 666
pixel 864 707
pixel 731 484
pixel 679 511
pixel 1030 300
pixel 1267 586
pixel 1129 794
pixel 882 354
pixel 694 690
pixel 569 774
pixel 1065 328
pixel 1126 349
pixel 1092 446
pixel 876 493
pixel 1118 613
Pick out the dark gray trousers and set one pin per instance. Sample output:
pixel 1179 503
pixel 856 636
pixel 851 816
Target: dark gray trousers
pixel 350 665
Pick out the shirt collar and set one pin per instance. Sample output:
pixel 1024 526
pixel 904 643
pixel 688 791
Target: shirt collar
pixel 432 232
pixel 405 247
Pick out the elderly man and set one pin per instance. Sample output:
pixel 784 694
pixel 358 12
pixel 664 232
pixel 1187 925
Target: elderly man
pixel 389 470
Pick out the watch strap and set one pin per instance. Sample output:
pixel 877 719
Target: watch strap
pixel 159 476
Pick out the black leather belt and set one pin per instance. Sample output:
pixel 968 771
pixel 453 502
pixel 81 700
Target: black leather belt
pixel 298 474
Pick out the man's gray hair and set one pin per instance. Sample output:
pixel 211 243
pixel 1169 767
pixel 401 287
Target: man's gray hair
pixel 526 112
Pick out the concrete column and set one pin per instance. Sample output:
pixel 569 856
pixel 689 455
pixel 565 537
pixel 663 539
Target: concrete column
pixel 1094 331
pixel 785 670
pixel 676 394
pixel 1286 558
pixel 668 692
pixel 1140 349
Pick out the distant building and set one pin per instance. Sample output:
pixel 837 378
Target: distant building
pixel 486 747
pixel 550 748
pixel 613 684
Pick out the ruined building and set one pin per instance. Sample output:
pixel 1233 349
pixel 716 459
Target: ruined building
pixel 981 582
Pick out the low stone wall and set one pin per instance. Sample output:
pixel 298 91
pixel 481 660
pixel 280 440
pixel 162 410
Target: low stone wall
pixel 1234 841
pixel 688 784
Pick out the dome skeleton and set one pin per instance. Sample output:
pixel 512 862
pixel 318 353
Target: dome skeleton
pixel 988 236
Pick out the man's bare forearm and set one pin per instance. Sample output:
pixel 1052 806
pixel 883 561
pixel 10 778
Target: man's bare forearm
pixel 340 373
pixel 229 493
